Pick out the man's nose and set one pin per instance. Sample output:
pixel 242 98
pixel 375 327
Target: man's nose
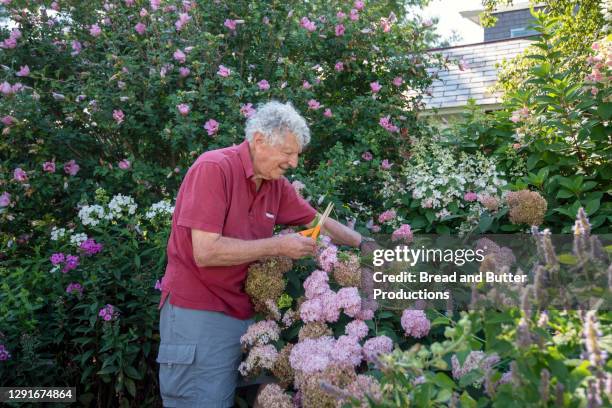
pixel 293 161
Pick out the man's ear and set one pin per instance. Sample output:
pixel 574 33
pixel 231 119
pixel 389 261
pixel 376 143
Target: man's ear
pixel 259 138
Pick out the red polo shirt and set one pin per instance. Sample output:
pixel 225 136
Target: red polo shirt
pixel 218 195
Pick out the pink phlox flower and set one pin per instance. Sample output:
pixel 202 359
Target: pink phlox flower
pixel 415 323
pixel 57 258
pixel 74 287
pixel 339 67
pixel 108 313
pixel 91 247
pixel 72 261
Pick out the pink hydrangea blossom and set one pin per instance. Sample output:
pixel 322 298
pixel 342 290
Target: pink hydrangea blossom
pixel 247 110
pixel 179 56
pixel 5 199
pixel 347 351
pixel 385 165
pixel 367 156
pixel 230 24
pixel 183 109
pixel 263 85
pixel 224 71
pixel 470 196
pixel 49 167
pixel 95 30
pixel 357 328
pixel 313 104
pixel 124 164
pixel 316 284
pixel 71 167
pixel 403 233
pixel 398 81
pixel 376 346
pixel 311 310
pixel 24 71
pixel 387 216
pixel 328 258
pixel 330 307
pixel 349 300
pixel 327 113
pixel 340 30
pixel 375 87
pixel 212 127
pixel 415 323
pixel 312 355
pixel 20 175
pixel 140 28
pixel 118 115
pixel 365 314
pixel 260 333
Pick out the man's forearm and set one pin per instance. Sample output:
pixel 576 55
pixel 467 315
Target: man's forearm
pixel 232 251
pixel 341 234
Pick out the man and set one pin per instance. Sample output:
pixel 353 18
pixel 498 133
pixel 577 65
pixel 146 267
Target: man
pixel 225 213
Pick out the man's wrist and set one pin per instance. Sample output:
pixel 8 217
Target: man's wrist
pixel 365 240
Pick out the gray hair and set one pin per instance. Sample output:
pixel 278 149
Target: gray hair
pixel 275 120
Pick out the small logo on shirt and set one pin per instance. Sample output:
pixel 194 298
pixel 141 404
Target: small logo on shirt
pixel 269 215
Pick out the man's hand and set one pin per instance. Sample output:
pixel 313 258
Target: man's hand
pixel 296 246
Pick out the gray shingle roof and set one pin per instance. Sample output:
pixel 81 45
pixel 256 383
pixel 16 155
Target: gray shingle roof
pixel 454 86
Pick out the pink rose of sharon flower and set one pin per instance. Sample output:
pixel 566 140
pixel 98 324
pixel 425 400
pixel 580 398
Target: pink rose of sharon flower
pixel 313 104
pixel 403 233
pixel 5 199
pixel 49 167
pixel 247 110
pixel 375 87
pixel 307 24
pixel 367 156
pixel 184 72
pixel 340 30
pixel 359 5
pixel 118 115
pixel 230 24
pixel 20 175
pixel 95 30
pixel 24 71
pixel 386 123
pixel 179 56
pixel 140 28
pixel 8 120
pixel 385 165
pixel 263 85
pixel 415 323
pixel 387 216
pixel 211 126
pixel 339 67
pixel 124 164
pixel 470 196
pixel 71 168
pixel 398 81
pixel 183 109
pixel 327 113
pixel 224 71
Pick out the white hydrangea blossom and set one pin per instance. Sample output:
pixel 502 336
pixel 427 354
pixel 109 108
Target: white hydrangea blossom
pixel 160 208
pixel 78 239
pixel 57 233
pixel 91 214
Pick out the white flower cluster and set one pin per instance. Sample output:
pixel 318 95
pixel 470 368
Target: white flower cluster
pixel 57 233
pixel 78 239
pixel 160 208
pixel 119 204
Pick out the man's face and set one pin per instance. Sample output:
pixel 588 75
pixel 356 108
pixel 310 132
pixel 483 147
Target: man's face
pixel 270 162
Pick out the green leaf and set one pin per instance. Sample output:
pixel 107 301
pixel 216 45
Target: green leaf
pixel 592 207
pixel 532 161
pixel 132 373
pixel 563 193
pixel 485 222
pixel 567 259
pixel 443 381
pixel 467 401
pixel 605 110
pixel 131 387
pixel 108 370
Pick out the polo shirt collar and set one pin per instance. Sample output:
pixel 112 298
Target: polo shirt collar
pixel 245 157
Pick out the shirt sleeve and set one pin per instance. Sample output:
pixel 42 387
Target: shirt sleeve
pixel 293 209
pixel 203 198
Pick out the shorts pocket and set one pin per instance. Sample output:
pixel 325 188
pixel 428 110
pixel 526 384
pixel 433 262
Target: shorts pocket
pixel 176 371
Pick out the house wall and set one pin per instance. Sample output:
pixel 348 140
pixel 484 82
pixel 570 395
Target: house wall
pixel 506 21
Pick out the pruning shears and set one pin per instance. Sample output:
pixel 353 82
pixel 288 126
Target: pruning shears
pixel 316 230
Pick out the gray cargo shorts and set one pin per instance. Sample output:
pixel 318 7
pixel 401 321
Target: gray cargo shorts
pixel 198 358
